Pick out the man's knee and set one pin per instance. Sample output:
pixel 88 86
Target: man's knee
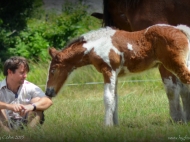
pixel 36 116
pixel 3 116
pixel 3 121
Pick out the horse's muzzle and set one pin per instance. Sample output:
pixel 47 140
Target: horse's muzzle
pixel 50 92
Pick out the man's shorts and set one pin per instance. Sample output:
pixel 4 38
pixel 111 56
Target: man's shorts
pixel 21 122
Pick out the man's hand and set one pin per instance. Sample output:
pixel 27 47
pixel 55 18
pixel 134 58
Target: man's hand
pixel 15 107
pixel 26 108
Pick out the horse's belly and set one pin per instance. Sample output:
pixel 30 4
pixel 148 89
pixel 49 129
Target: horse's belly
pixel 127 71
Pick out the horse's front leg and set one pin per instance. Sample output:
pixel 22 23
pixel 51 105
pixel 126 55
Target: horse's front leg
pixel 115 114
pixel 110 97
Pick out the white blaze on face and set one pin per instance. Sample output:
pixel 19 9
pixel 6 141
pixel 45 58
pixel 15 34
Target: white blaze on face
pixel 129 46
pixel 101 42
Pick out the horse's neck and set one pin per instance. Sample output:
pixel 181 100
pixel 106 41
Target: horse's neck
pixel 76 56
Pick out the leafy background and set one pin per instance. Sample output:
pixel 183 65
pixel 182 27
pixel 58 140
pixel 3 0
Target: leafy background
pixel 26 29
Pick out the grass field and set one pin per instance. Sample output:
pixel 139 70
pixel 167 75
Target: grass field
pixel 77 114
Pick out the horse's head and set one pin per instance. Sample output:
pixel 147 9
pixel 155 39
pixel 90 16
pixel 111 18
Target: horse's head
pixel 114 14
pixel 58 72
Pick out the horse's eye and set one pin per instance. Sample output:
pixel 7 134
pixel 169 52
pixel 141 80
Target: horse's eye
pixel 52 71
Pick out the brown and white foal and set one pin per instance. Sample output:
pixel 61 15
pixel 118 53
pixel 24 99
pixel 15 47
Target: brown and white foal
pixel 116 52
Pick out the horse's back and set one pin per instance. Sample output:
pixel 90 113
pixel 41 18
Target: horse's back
pixel 171 35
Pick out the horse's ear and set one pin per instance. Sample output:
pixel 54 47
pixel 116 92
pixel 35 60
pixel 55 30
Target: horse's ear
pixel 52 52
pixel 98 15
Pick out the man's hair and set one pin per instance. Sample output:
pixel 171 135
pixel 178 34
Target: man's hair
pixel 13 63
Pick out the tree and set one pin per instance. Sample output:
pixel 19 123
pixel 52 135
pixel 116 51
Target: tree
pixel 14 13
pixel 13 19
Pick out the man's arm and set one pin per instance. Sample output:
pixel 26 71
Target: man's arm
pixel 3 105
pixel 40 104
pixel 13 107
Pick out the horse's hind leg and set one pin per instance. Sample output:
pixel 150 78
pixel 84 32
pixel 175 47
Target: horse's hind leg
pixel 185 95
pixel 180 66
pixel 173 87
pixel 182 71
pixel 177 64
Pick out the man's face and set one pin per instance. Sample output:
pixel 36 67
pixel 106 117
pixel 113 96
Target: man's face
pixel 19 75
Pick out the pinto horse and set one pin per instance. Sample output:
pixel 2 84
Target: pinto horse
pixel 116 52
pixel 134 15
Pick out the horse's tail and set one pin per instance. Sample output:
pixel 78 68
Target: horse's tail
pixel 185 29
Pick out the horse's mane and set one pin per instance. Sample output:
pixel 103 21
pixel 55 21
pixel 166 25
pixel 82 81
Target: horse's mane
pixel 75 40
pixel 107 19
pixel 92 35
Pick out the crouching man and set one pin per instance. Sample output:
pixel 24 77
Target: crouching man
pixel 21 102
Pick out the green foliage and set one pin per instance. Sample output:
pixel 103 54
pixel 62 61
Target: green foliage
pixel 13 19
pixel 47 30
pixel 73 21
pixel 30 44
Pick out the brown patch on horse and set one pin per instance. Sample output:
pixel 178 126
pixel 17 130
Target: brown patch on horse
pixel 106 71
pixel 115 60
pixel 100 65
pixel 141 50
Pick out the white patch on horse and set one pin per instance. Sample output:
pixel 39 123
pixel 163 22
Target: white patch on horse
pixel 164 25
pixel 188 56
pixel 96 34
pixel 108 102
pixel 101 42
pixel 109 99
pixel 161 25
pixel 185 29
pixel 129 46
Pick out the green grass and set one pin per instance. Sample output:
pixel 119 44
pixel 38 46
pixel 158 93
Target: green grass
pixel 77 114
